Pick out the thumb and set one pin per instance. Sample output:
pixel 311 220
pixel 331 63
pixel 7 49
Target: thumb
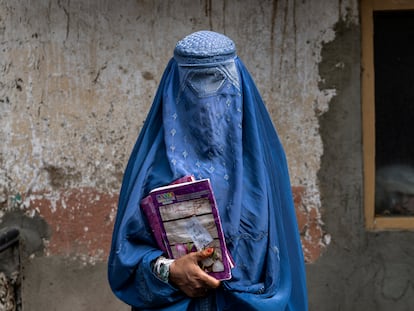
pixel 205 253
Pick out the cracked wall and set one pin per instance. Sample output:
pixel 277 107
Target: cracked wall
pixel 361 270
pixel 77 80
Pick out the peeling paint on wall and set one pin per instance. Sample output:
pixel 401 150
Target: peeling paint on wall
pixel 80 221
pixel 77 80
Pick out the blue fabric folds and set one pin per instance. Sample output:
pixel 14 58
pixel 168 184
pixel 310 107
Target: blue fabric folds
pixel 208 119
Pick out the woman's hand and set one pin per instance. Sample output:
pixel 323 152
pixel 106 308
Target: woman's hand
pixel 186 274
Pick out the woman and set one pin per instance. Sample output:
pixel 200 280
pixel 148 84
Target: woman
pixel 208 120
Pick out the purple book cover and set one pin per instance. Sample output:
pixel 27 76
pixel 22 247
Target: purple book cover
pixel 184 218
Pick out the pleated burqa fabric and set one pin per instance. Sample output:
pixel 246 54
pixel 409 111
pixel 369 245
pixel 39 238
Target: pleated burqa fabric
pixel 208 120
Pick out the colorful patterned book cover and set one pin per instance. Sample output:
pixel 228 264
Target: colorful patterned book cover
pixel 184 218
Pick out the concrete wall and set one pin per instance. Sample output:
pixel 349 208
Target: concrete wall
pixel 360 270
pixel 77 79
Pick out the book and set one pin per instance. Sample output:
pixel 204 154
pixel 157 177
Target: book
pixel 184 218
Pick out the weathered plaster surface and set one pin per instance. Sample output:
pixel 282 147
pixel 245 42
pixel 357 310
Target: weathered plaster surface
pixel 62 284
pixel 360 270
pixel 78 78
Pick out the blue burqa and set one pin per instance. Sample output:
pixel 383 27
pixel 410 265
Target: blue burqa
pixel 208 120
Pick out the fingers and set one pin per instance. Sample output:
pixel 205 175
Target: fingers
pixel 186 274
pixel 208 281
pixel 205 253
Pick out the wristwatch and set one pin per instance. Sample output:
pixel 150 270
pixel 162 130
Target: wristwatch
pixel 161 268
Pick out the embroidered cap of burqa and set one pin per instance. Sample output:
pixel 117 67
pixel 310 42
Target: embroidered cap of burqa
pixel 208 120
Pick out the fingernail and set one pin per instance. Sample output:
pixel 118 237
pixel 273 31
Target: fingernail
pixel 210 250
